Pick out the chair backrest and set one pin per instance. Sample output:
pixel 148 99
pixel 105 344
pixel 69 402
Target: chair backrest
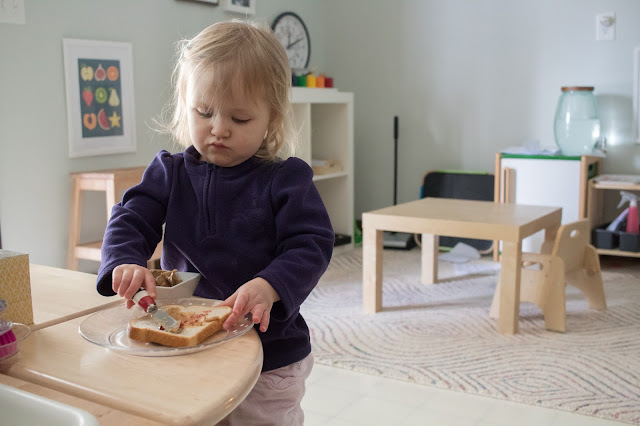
pixel 463 186
pixel 571 241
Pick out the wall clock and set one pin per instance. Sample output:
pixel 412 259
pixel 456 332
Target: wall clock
pixel 292 33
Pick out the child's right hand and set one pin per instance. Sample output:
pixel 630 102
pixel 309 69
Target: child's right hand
pixel 127 280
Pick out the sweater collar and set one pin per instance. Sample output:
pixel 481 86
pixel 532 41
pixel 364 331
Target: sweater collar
pixel 194 164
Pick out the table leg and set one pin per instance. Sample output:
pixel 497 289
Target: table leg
pixel 371 268
pixel 549 238
pixel 429 258
pixel 510 287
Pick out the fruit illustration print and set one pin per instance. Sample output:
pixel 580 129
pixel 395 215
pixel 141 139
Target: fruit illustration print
pixel 100 97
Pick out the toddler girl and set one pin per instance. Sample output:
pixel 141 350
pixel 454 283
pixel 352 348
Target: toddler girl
pixel 251 224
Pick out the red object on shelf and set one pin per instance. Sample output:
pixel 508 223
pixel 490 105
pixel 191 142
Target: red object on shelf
pixel 328 82
pixel 632 219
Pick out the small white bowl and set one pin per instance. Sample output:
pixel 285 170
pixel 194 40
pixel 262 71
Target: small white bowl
pixel 185 289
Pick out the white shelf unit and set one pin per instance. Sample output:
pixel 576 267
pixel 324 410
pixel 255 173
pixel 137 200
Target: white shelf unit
pixel 324 120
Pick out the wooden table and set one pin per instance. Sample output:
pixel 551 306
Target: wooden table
pixel 59 295
pixel 194 389
pixel 509 223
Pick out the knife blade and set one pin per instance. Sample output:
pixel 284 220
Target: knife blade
pixel 162 318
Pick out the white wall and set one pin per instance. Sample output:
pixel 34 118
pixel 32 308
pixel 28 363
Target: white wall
pixel 466 77
pixel 470 77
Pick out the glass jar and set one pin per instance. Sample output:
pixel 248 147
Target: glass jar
pixel 577 123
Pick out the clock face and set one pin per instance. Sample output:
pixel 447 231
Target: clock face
pixel 294 37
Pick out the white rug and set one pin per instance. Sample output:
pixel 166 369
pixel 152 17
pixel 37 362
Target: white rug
pixel 441 335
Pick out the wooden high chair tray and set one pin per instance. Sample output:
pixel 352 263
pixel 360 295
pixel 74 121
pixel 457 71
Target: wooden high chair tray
pixel 108 328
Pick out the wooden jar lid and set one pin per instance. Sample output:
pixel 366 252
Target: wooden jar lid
pixel 577 89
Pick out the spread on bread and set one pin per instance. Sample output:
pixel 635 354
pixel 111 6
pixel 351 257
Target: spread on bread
pixel 165 278
pixel 197 323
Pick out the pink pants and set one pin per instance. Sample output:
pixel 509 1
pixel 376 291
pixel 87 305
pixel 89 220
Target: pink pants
pixel 275 399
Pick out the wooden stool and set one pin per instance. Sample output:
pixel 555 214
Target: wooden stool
pixel 112 182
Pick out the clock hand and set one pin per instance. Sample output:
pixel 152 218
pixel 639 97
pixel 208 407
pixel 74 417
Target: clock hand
pixel 290 45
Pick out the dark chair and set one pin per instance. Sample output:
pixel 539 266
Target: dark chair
pixel 460 185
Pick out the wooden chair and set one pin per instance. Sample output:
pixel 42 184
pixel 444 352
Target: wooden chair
pixel 112 182
pixel 573 261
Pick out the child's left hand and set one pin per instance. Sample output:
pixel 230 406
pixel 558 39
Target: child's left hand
pixel 255 296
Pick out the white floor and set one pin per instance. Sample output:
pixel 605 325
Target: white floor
pixel 338 397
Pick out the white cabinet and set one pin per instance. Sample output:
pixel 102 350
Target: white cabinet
pixel 324 120
pixel 555 181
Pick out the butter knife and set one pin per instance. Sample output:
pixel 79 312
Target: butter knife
pixel 162 318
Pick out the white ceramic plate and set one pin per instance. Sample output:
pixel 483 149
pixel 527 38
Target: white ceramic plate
pixel 108 328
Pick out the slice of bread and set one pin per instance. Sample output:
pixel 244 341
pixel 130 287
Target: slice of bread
pixel 196 324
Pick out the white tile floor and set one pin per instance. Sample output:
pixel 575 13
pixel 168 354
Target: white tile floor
pixel 338 397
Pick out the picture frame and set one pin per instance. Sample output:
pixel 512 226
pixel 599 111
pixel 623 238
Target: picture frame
pixel 636 94
pixel 246 7
pixel 210 2
pixel 100 97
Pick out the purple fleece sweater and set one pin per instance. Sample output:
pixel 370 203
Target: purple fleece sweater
pixel 230 224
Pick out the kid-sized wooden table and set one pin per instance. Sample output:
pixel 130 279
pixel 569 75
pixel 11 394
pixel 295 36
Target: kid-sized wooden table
pixel 431 217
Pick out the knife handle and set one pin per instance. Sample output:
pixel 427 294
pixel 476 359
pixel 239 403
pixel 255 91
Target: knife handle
pixel 145 301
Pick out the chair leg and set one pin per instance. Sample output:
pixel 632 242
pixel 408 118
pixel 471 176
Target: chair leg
pixel 546 289
pixel 529 282
pixel 75 213
pixel 554 306
pixel 591 287
pixel 589 280
pixel 495 303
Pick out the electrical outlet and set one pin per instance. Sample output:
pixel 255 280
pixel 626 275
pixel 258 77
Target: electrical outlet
pixel 606 26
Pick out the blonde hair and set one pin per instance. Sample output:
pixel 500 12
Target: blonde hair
pixel 249 52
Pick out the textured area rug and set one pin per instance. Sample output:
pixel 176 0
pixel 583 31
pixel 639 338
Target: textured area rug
pixel 441 335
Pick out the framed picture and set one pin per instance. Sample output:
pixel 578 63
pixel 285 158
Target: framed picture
pixel 212 2
pixel 100 107
pixel 246 7
pixel 636 94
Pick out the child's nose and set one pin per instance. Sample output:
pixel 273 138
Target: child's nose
pixel 219 127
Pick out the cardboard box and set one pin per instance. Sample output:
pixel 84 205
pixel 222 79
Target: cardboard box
pixel 15 287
